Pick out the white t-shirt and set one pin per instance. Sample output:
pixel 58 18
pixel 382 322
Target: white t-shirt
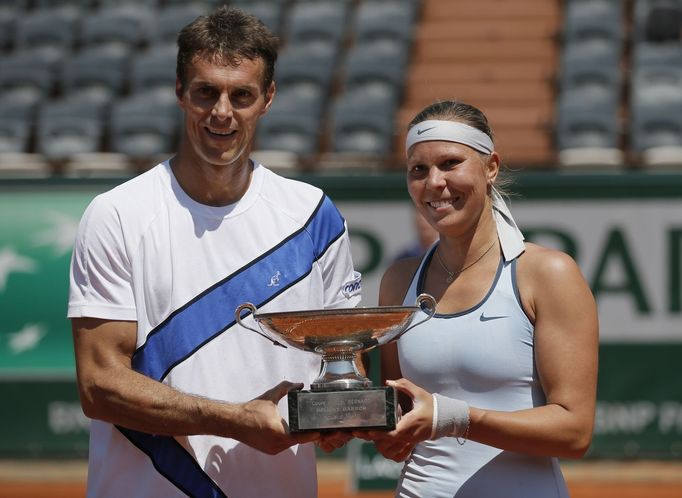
pixel 147 252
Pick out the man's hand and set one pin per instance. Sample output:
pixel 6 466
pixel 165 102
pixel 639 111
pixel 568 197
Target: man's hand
pixel 264 428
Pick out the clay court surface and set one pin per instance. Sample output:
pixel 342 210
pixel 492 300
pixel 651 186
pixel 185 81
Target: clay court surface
pixel 643 479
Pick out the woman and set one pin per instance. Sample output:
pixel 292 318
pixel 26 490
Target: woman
pixel 511 354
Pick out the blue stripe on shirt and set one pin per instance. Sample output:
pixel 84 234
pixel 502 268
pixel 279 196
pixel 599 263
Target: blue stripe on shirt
pixel 210 314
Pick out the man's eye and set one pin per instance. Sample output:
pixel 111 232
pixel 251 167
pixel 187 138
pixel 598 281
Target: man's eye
pixel 205 91
pixel 243 96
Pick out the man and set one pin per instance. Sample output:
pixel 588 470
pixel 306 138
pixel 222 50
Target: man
pixel 182 398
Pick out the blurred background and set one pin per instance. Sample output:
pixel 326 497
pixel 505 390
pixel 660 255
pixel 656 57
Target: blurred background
pixel 584 97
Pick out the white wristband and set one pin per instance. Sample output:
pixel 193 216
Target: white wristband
pixel 450 417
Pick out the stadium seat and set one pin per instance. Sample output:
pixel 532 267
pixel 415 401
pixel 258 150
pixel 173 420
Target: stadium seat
pixel 96 74
pixel 152 73
pixel 52 32
pixel 172 18
pixel 16 109
pixel 271 12
pixel 60 138
pixel 593 19
pixel 595 82
pixel 295 133
pixel 366 134
pixel 26 79
pixel 588 137
pixel 15 135
pixel 69 126
pixel 646 54
pixel 318 22
pixel 73 5
pixel 305 75
pixel 119 28
pixel 142 136
pixel 656 134
pixel 657 21
pixel 378 70
pixel 655 86
pixel 379 22
pixel 143 128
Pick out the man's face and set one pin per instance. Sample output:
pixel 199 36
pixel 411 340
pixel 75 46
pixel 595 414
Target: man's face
pixel 222 105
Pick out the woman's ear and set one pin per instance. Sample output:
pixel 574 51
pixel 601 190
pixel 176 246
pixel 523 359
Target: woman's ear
pixel 492 167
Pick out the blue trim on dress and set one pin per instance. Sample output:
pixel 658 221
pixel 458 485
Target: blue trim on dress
pixel 422 278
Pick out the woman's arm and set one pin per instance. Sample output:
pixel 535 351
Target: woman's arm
pixel 557 298
pixel 560 303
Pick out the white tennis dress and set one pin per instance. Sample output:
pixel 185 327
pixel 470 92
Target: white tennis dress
pixel 147 252
pixel 484 356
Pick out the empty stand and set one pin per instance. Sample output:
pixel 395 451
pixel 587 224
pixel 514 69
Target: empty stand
pixel 657 136
pixel 15 134
pixel 379 22
pixel 588 136
pixel 50 32
pixel 657 21
pixel 118 27
pixel 152 73
pixel 499 56
pixel 171 19
pixel 96 74
pixel 271 12
pixel 295 133
pixel 318 22
pixel 377 69
pixel 26 79
pixel 70 126
pixel 304 76
pixel 361 133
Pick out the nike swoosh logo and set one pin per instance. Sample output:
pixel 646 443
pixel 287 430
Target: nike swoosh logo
pixel 419 132
pixel 484 318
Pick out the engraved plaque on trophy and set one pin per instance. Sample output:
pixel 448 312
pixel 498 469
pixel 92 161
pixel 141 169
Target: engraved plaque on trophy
pixel 340 398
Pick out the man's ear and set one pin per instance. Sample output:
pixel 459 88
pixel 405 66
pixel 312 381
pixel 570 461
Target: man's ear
pixel 269 97
pixel 178 89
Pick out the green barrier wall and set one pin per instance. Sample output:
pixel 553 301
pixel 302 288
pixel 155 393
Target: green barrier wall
pixel 625 231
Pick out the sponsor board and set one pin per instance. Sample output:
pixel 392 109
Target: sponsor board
pixel 628 245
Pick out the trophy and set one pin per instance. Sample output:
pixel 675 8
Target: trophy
pixel 340 398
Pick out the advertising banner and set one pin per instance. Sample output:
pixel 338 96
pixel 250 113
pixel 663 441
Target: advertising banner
pixel 625 232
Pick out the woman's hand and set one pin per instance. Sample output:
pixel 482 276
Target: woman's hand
pixel 412 428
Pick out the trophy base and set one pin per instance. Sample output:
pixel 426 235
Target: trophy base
pixel 345 409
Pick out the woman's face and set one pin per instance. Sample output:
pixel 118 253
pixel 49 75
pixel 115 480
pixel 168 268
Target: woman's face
pixel 448 183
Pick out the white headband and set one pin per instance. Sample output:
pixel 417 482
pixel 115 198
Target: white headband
pixel 449 131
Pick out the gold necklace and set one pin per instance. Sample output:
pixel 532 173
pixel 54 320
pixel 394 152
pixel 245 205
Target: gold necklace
pixel 452 274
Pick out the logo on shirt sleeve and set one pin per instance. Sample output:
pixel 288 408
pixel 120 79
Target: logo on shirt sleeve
pixel 353 287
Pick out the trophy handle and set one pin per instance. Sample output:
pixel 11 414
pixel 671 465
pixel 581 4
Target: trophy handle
pixel 430 311
pixel 252 309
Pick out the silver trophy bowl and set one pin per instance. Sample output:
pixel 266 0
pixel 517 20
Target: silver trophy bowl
pixel 338 335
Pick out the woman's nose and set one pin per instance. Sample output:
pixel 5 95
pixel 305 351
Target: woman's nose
pixel 436 177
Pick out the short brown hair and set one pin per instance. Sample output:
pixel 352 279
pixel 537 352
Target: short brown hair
pixel 227 36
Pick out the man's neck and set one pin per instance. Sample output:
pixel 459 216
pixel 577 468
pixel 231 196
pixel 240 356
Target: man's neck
pixel 213 185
